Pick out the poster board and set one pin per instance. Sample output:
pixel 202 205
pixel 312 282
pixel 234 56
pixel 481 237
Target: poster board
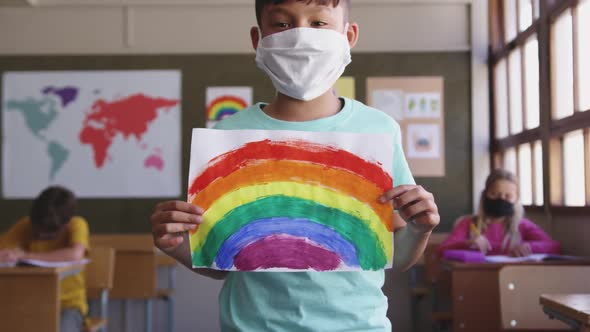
pixel 417 104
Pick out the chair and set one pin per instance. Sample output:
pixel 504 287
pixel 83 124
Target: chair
pixel 428 266
pixel 99 281
pixel 521 286
pixel 136 279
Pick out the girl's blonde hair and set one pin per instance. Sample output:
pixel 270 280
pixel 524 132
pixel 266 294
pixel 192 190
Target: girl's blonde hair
pixel 512 237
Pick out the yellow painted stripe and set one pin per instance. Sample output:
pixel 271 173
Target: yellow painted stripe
pixel 320 195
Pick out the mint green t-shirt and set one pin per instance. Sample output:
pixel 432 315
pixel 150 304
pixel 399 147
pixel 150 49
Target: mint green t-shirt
pixel 311 301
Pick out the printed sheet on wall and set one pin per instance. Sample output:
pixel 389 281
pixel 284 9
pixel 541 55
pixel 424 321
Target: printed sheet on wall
pixel 417 104
pixel 100 133
pixel 291 201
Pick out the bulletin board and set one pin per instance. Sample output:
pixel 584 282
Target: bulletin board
pixel 417 104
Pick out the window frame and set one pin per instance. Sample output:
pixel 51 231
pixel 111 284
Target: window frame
pixel 550 131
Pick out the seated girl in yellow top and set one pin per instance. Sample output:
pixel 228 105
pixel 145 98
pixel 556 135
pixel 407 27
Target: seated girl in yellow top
pixel 52 233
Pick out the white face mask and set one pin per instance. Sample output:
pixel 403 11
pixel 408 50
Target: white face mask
pixel 304 63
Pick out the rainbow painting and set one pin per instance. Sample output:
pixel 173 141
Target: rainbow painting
pixel 291 201
pixel 226 101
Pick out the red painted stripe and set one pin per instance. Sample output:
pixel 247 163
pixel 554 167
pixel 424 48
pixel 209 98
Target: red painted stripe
pixel 224 99
pixel 231 161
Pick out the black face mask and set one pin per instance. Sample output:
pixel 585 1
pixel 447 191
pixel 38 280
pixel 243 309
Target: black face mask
pixel 498 207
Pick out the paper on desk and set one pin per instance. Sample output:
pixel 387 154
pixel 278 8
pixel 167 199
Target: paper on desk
pixel 39 263
pixel 7 264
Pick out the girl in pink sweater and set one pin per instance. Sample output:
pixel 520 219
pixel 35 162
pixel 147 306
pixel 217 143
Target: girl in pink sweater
pixel 499 228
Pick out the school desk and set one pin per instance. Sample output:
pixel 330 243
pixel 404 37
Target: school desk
pixel 30 297
pixel 136 267
pixel 475 294
pixel 572 309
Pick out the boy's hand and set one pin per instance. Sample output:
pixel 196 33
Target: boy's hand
pixel 11 255
pixel 414 204
pixel 170 220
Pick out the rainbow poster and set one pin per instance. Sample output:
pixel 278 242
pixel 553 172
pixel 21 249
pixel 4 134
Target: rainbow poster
pixel 226 101
pixel 291 201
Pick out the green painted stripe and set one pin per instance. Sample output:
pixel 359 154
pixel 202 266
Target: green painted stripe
pixel 371 255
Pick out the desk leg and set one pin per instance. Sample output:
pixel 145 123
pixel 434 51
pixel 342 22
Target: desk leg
pixel 149 310
pixel 171 285
pixel 126 317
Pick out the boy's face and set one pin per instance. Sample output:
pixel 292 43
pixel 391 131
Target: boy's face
pixel 298 14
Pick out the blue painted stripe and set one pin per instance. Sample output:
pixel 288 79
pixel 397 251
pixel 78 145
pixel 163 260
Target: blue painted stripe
pixel 256 230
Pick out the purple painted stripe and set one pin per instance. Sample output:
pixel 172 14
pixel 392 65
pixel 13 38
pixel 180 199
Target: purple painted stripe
pixel 288 252
pixel 297 227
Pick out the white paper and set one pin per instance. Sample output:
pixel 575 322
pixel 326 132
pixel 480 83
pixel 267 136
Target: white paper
pixel 7 264
pixel 47 147
pixel 389 101
pixel 530 258
pixel 208 144
pixel 40 263
pixel 422 105
pixel 423 141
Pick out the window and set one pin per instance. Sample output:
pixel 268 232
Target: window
pixel 501 99
pixel 515 94
pixel 531 82
pixel 525 174
pixel 538 178
pixel 583 55
pixel 562 66
pixel 540 56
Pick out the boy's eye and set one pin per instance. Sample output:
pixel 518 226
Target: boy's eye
pixel 319 23
pixel 282 25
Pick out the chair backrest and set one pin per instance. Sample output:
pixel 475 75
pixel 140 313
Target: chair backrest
pixel 124 242
pixel 432 263
pixel 135 267
pixel 100 271
pixel 522 285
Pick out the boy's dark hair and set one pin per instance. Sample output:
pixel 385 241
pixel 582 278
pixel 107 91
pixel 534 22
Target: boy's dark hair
pixel 52 209
pixel 260 4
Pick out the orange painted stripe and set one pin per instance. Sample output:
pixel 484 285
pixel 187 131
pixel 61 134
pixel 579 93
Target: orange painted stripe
pixel 266 171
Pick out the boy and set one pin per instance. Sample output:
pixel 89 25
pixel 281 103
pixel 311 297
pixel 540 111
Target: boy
pixel 304 47
pixel 52 233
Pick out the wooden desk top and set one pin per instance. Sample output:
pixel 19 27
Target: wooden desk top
pixel 576 306
pixel 164 260
pixel 33 270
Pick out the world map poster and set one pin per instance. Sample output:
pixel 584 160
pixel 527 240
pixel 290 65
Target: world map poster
pixel 103 134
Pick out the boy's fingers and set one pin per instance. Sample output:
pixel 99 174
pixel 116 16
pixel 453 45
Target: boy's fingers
pixel 169 241
pixel 164 229
pixel 395 192
pixel 164 217
pixel 179 206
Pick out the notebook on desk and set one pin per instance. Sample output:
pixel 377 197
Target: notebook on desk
pixel 34 262
pixel 471 256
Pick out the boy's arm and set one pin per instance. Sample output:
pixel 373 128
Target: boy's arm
pixel 74 252
pixel 417 205
pixel 409 243
pixel 78 234
pixel 171 222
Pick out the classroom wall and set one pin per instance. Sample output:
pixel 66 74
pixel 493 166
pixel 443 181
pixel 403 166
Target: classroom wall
pixel 202 27
pixel 398 37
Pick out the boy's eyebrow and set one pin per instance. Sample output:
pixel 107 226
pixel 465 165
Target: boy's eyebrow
pixel 281 10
